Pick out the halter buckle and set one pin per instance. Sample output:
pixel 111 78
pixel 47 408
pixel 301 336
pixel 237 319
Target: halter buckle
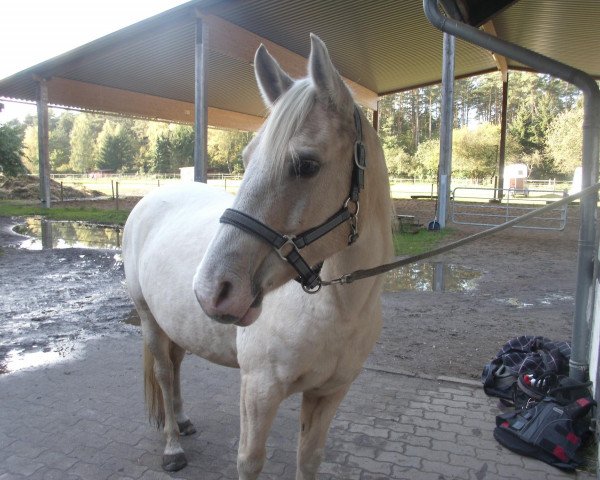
pixel 289 240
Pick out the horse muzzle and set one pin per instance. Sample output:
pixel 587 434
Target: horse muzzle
pixel 226 298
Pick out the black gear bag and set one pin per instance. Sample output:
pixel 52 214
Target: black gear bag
pixel 548 431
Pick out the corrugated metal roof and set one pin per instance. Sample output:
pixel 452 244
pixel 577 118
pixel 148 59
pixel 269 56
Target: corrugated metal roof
pixel 384 45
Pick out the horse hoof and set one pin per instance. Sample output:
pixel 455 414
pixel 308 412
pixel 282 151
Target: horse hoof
pixel 186 428
pixel 174 462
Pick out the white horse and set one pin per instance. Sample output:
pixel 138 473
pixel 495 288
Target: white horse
pixel 196 282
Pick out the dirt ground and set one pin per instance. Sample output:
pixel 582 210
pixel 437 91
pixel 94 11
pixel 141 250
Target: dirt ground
pixel 54 298
pixel 527 287
pixel 26 187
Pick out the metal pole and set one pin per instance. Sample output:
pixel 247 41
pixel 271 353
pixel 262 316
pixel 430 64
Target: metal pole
pixel 579 362
pixel 43 152
pixel 201 105
pixel 446 124
pixel 502 155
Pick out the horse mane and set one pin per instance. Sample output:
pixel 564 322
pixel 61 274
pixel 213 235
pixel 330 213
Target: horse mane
pixel 287 115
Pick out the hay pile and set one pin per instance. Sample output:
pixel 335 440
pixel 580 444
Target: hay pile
pixel 27 187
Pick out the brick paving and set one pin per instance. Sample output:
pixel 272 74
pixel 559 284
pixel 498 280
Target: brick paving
pixel 85 419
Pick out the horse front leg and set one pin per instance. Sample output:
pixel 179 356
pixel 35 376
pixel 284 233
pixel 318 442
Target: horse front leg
pixel 259 400
pixel 315 417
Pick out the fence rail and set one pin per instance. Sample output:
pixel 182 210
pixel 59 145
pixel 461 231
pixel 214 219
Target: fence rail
pixel 102 185
pixel 468 207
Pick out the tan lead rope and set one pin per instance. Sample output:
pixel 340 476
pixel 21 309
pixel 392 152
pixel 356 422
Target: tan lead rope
pixel 370 272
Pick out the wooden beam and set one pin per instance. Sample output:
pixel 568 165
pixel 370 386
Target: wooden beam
pixel 501 63
pixel 235 42
pixel 88 96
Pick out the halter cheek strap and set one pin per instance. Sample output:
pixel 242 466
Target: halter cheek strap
pixel 288 246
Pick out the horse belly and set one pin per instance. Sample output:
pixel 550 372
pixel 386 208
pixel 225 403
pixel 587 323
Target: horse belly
pixel 175 230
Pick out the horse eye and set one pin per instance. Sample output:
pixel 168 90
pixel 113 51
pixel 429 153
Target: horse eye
pixel 305 167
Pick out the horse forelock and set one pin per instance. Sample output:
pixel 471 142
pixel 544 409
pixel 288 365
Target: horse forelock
pixel 288 114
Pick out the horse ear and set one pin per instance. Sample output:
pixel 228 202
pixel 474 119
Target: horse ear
pixel 272 80
pixel 326 78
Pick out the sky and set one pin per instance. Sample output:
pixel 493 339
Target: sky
pixel 33 31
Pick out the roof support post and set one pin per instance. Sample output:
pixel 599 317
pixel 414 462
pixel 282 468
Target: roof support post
pixel 502 153
pixel 376 119
pixel 200 104
pixel 43 151
pixel 446 124
pixel 584 295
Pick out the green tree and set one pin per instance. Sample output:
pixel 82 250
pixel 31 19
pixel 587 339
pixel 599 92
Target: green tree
pixel 84 156
pixel 399 163
pixel 29 154
pixel 225 149
pixel 182 142
pixel 173 149
pixel 475 151
pixel 116 147
pixel 59 142
pixel 426 159
pixel 11 144
pixel 564 141
pixel 162 154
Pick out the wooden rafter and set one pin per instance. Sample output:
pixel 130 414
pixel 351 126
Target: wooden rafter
pixel 501 63
pixel 70 93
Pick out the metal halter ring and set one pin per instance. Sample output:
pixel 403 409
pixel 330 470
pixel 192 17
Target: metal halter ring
pixel 355 202
pixel 314 290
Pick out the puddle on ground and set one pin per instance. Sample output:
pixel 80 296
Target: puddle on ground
pixel 35 356
pixel 47 234
pixel 50 308
pixel 546 301
pixel 133 318
pixel 432 277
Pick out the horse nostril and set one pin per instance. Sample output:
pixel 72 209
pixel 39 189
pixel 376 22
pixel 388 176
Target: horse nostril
pixel 224 292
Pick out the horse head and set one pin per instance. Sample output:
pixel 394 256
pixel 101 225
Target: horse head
pixel 299 169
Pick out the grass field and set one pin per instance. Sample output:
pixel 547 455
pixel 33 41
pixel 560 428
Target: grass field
pixel 79 214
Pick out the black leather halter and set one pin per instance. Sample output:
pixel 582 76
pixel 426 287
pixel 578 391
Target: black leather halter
pixel 288 246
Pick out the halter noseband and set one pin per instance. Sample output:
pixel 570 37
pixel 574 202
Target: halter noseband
pixel 288 246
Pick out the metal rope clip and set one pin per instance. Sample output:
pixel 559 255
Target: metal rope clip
pixel 353 236
pixel 343 280
pixel 353 220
